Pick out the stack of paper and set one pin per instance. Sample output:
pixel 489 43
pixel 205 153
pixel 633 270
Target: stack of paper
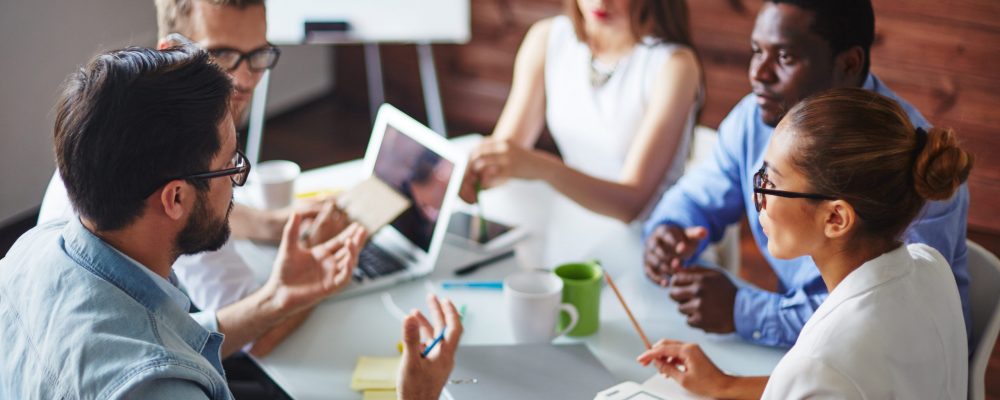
pixel 376 376
pixel 378 394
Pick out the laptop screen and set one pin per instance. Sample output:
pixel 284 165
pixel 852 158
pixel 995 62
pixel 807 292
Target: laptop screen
pixel 421 175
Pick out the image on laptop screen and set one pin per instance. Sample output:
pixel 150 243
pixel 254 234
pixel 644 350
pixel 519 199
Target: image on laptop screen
pixel 421 175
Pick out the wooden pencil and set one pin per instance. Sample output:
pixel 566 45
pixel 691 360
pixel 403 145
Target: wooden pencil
pixel 621 299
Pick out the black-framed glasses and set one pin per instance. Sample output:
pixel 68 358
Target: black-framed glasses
pixel 227 58
pixel 238 173
pixel 258 60
pixel 760 183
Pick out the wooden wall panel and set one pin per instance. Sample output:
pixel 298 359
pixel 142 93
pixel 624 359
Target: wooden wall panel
pixel 982 14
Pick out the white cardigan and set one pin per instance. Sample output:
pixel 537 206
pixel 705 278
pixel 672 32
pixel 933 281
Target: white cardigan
pixel 893 329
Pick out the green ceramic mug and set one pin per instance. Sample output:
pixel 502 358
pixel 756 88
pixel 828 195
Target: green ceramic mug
pixel 582 289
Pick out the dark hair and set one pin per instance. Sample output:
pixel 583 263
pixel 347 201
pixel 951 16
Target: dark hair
pixel 667 20
pixel 860 146
pixel 131 119
pixel 842 23
pixel 173 16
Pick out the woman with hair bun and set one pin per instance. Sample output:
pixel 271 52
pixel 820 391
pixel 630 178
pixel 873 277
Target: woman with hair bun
pixel 843 176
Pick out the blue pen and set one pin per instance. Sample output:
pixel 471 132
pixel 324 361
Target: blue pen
pixel 472 285
pixel 461 315
pixel 434 343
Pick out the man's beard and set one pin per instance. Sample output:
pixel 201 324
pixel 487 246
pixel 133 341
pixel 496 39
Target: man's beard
pixel 203 232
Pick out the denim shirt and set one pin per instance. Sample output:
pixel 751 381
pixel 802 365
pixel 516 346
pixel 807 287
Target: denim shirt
pixel 718 191
pixel 80 320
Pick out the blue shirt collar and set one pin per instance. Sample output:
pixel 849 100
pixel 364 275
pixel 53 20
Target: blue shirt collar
pixel 107 263
pixel 872 83
pixel 168 286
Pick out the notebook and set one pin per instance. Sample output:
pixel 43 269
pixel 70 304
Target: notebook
pixel 527 371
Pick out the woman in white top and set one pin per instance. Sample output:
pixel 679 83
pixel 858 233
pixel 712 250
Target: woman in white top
pixel 844 174
pixel 617 83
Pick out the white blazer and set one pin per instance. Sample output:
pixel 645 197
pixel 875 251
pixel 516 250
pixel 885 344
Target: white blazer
pixel 893 329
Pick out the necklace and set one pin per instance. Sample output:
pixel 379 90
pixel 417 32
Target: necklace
pixel 600 73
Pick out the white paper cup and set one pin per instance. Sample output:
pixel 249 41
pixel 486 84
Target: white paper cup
pixel 277 182
pixel 534 302
pixel 527 204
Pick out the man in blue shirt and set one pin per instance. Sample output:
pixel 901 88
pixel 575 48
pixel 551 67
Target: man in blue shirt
pixel 220 283
pixel 800 47
pixel 90 308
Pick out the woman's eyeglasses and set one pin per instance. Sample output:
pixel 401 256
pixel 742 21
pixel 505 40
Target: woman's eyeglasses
pixel 760 189
pixel 238 173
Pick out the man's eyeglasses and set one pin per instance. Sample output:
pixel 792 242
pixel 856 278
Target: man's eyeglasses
pixel 238 173
pixel 229 59
pixel 258 60
pixel 760 184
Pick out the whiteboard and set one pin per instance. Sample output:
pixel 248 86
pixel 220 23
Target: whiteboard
pixel 370 21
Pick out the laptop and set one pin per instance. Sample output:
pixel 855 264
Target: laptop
pixel 426 169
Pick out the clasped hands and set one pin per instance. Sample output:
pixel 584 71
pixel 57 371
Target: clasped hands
pixel 705 295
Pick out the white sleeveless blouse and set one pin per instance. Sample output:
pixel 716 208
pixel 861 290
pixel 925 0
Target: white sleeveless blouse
pixel 594 127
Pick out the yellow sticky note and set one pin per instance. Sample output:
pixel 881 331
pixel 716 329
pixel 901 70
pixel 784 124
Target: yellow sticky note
pixel 375 373
pixel 379 394
pixel 319 193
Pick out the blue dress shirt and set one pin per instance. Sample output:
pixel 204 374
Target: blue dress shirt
pixel 718 191
pixel 82 320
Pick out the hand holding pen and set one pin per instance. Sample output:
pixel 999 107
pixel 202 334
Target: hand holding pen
pixel 424 371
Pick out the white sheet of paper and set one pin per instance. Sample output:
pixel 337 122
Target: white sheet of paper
pixel 669 388
pixel 657 387
pixel 373 204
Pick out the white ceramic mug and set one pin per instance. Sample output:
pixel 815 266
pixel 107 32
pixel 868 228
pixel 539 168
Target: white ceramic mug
pixel 534 301
pixel 277 182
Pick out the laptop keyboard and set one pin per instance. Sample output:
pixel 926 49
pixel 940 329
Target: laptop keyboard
pixel 374 262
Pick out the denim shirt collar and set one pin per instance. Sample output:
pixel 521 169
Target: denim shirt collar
pixel 168 286
pixel 107 263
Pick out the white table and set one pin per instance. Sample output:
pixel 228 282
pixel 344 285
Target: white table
pixel 316 361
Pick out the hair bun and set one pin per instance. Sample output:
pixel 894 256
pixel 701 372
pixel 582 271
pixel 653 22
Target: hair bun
pixel 942 166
